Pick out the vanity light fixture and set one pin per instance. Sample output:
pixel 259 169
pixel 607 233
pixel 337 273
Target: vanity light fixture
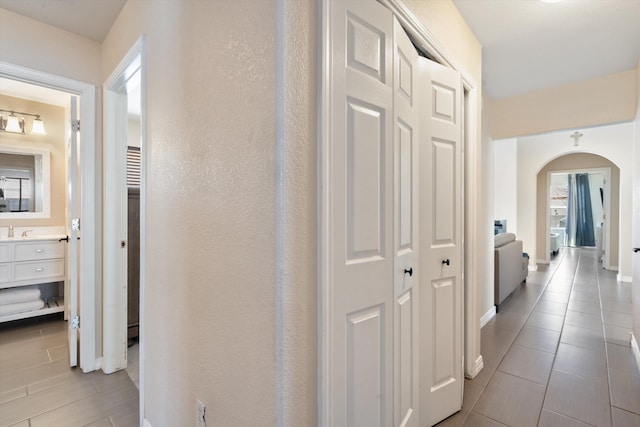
pixel 14 124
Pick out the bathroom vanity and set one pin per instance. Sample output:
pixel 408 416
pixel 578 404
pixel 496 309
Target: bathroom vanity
pixel 29 261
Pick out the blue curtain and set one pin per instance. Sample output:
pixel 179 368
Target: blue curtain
pixel 579 215
pixel 584 226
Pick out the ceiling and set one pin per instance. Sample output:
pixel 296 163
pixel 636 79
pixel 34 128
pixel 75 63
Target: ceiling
pixel 530 45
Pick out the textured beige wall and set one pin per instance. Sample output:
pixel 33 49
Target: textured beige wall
pixel 599 101
pixel 54 141
pixel 574 162
pixel 211 252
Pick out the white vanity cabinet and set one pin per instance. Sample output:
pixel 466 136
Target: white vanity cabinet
pixel 34 261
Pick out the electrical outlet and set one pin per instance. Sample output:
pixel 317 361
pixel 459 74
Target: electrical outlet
pixel 200 414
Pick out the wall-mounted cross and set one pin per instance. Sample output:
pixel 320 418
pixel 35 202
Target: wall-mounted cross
pixel 576 137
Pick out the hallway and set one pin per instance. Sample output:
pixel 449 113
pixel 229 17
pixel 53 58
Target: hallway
pixel 558 353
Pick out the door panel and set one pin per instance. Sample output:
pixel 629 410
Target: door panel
pixel 361 217
pixel 406 269
pixel 365 181
pixel 441 369
pixel 365 365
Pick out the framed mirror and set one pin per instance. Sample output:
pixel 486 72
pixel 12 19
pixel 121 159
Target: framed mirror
pixel 25 181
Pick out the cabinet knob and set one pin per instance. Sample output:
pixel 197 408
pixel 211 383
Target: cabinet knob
pixel 446 261
pixel 409 271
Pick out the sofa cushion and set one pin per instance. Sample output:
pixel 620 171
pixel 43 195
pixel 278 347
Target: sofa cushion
pixel 503 239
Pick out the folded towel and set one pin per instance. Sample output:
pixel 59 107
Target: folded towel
pixel 21 294
pixel 21 307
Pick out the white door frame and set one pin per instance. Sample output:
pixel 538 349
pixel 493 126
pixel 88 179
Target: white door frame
pixel 89 188
pixel 427 42
pixel 115 221
pixel 607 211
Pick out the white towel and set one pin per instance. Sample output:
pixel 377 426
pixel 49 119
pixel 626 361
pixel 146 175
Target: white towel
pixel 21 294
pixel 21 307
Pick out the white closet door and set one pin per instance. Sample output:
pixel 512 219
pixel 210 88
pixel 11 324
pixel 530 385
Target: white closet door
pixel 361 216
pixel 406 271
pixel 441 340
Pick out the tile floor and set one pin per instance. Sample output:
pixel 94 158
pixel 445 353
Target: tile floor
pixel 558 353
pixel 37 387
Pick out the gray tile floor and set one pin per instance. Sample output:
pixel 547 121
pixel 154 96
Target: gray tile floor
pixel 558 353
pixel 37 387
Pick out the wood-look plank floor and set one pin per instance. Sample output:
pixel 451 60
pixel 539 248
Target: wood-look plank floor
pixel 37 387
pixel 558 353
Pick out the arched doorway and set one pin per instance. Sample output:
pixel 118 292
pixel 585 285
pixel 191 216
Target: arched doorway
pixel 545 211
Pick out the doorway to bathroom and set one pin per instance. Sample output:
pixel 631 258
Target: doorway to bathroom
pixel 78 102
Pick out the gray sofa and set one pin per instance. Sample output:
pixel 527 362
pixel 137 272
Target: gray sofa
pixel 511 267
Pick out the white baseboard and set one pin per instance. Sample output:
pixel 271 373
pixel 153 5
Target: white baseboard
pixel 477 367
pixel 636 349
pixel 625 279
pixel 487 316
pixel 541 261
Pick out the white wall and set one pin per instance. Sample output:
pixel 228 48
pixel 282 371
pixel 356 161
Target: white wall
pixel 506 182
pixel 613 142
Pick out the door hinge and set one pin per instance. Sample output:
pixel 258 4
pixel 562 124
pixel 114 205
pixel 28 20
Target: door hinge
pixel 75 125
pixel 75 322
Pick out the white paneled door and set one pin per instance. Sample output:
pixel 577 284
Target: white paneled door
pixel 406 272
pixel 362 216
pixel 393 312
pixel 440 218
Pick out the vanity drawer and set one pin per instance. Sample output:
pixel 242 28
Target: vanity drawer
pixel 6 252
pixel 5 273
pixel 31 270
pixel 27 251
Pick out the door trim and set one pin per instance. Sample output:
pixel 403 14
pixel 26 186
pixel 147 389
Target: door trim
pixel 90 186
pixel 115 322
pixel 430 44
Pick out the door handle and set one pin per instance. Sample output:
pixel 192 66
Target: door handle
pixel 409 270
pixel 64 239
pixel 446 261
pixel 636 249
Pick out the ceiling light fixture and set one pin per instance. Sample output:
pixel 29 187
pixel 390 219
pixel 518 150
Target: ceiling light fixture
pixel 17 125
